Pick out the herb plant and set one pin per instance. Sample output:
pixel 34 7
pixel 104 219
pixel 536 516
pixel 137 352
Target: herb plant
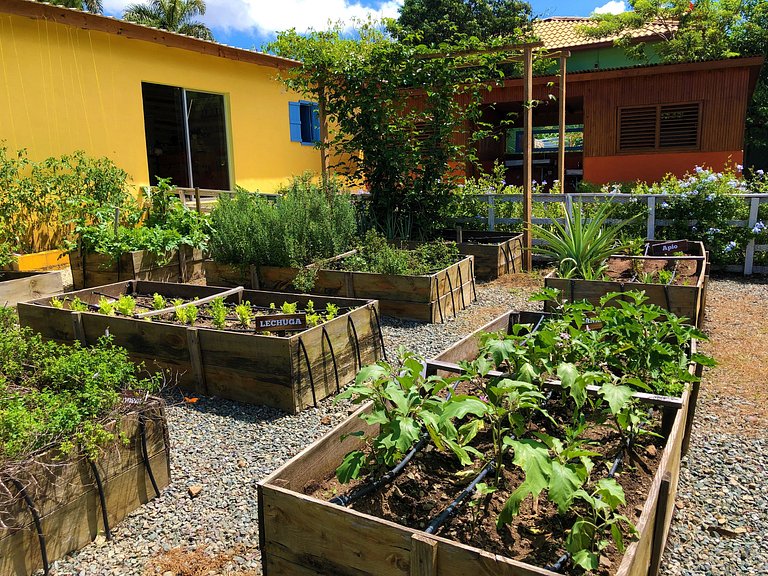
pixel 244 314
pixel 125 305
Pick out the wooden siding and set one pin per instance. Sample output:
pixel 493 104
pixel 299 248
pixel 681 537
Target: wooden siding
pixel 723 88
pixel 723 94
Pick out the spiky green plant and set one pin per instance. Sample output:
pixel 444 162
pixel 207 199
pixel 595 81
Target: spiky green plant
pixel 582 246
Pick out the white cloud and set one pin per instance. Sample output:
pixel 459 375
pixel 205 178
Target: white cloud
pixel 269 16
pixel 611 7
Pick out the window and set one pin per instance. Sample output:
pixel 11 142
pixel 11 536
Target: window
pixel 186 136
pixel 666 126
pixel 304 121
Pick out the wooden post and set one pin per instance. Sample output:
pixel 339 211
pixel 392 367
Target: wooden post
pixel 527 158
pixel 197 199
pixel 423 556
pixel 657 546
pixel 561 130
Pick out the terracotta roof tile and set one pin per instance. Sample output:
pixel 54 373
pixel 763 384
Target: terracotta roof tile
pixel 562 32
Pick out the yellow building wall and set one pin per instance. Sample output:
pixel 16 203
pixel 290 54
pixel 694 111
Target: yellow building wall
pixel 64 89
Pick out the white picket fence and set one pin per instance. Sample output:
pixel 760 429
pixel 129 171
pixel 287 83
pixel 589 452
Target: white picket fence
pixel 754 201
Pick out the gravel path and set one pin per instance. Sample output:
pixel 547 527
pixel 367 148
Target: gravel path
pixel 225 447
pixel 721 523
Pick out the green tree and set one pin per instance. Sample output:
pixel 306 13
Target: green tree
pixel 94 6
pixel 433 22
pixel 399 114
pixel 173 15
pixel 704 30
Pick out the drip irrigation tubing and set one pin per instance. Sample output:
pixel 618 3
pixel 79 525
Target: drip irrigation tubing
pixel 333 358
pixel 145 453
pixel 301 348
pixel 351 324
pixel 356 494
pixel 455 506
pixel 38 524
pixel 102 499
pixel 381 334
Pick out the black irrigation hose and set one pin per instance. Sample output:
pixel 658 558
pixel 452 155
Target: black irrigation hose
pixel 145 452
pixel 472 272
pixel 38 525
pixel 303 349
pixel 455 506
pixel 333 358
pixel 461 290
pixel 351 323
pixel 450 288
pixel 439 304
pixel 350 497
pixel 102 499
pixel 381 335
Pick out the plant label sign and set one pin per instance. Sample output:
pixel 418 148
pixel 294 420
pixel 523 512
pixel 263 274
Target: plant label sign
pixel 667 248
pixel 591 322
pixel 281 322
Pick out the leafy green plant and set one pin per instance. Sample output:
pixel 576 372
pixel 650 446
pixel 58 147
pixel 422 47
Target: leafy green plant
pixel 158 302
pixel 331 311
pixel 57 302
pixel 106 306
pixel 665 276
pixel 56 394
pixel 192 313
pixel 599 522
pixel 244 314
pixel 180 314
pixel 581 246
pixel 290 307
pixel 218 313
pixel 125 305
pixel 377 255
pixel 402 402
pixel 77 305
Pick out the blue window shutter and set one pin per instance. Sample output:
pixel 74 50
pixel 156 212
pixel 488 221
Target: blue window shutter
pixel 315 123
pixel 294 118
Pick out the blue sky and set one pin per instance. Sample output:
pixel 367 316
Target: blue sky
pixel 251 23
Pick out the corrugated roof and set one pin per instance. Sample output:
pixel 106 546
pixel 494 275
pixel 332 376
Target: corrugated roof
pixel 563 32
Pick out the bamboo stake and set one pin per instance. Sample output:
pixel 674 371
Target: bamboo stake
pixel 527 160
pixel 561 131
pixel 224 294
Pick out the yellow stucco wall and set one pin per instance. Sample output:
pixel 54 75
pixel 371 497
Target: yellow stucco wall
pixel 64 89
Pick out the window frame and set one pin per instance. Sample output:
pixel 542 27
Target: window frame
pixel 297 127
pixel 657 148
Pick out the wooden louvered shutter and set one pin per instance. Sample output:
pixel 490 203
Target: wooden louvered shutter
pixel 679 126
pixel 637 128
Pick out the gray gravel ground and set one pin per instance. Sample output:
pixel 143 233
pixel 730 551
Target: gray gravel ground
pixel 721 523
pixel 225 447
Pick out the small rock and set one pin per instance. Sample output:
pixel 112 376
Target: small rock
pixel 242 463
pixel 169 573
pixel 605 562
pixel 651 451
pixel 194 491
pixel 325 420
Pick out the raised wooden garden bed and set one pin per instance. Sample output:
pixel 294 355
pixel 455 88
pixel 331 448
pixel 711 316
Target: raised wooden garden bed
pixel 53 506
pixel 17 287
pixel 289 372
pixel 684 295
pixel 429 298
pixel 299 532
pixel 496 253
pixel 91 269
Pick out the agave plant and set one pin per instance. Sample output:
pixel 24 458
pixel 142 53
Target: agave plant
pixel 582 246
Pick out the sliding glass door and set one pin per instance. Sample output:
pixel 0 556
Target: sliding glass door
pixel 186 136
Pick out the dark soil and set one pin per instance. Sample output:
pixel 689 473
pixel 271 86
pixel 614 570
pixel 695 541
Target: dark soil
pixel 634 269
pixel 537 535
